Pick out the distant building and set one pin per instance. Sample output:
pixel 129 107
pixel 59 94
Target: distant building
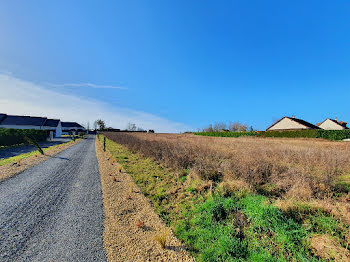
pixel 22 122
pixel 54 126
pixel 291 123
pixel 31 122
pixel 2 116
pixel 71 128
pixel 332 124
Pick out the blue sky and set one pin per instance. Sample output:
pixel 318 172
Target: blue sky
pixel 180 64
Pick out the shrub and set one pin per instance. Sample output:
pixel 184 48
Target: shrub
pixel 10 137
pixel 334 134
pixel 312 133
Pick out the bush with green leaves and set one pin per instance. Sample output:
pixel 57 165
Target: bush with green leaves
pixel 310 133
pixel 334 134
pixel 9 137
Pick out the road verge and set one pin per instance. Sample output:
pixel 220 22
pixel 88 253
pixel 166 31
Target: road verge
pixel 131 225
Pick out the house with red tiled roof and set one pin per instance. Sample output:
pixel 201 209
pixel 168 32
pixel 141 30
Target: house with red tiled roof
pixel 332 124
pixel 291 123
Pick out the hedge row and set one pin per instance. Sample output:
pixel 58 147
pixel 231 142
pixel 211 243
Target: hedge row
pixel 334 134
pixel 312 133
pixel 9 137
pixel 226 134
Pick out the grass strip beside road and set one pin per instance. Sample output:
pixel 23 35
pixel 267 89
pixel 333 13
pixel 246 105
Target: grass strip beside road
pixel 131 226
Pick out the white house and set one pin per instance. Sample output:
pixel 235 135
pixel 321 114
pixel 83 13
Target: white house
pixel 71 128
pixel 30 122
pixel 22 122
pixel 54 125
pixel 332 124
pixel 291 123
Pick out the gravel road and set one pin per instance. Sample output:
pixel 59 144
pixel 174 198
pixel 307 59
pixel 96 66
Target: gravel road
pixel 53 211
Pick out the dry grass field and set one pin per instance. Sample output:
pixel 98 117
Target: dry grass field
pixel 304 183
pixel 300 168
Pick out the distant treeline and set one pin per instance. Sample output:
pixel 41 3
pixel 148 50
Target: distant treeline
pixel 313 133
pixel 230 126
pixel 130 131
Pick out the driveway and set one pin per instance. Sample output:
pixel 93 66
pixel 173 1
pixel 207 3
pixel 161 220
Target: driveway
pixel 53 211
pixel 14 151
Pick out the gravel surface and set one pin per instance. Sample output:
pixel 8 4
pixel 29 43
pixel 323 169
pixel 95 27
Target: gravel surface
pixel 53 211
pixel 17 150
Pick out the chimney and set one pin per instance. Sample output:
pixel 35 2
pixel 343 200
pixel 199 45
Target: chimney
pixel 293 116
pixel 336 119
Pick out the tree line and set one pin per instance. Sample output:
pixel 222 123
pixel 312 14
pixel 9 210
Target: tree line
pixel 230 126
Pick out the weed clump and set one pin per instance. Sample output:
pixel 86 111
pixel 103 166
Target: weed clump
pixel 161 238
pixel 326 247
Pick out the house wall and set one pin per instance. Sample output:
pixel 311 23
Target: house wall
pixel 286 124
pixel 48 128
pixel 330 125
pixel 66 130
pixel 59 130
pixel 20 127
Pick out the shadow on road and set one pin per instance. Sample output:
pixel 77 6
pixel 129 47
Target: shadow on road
pixel 14 151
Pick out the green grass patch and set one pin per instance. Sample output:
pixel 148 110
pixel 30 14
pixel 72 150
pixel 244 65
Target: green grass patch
pixel 343 183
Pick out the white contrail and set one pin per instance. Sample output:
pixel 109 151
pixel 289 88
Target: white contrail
pixel 86 85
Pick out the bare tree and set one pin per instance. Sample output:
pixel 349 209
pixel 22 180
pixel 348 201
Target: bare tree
pixel 208 129
pixel 100 123
pixel 219 126
pixel 131 127
pixel 237 127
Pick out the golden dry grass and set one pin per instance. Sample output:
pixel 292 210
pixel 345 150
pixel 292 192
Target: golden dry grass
pixel 161 238
pixel 327 248
pixel 300 168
